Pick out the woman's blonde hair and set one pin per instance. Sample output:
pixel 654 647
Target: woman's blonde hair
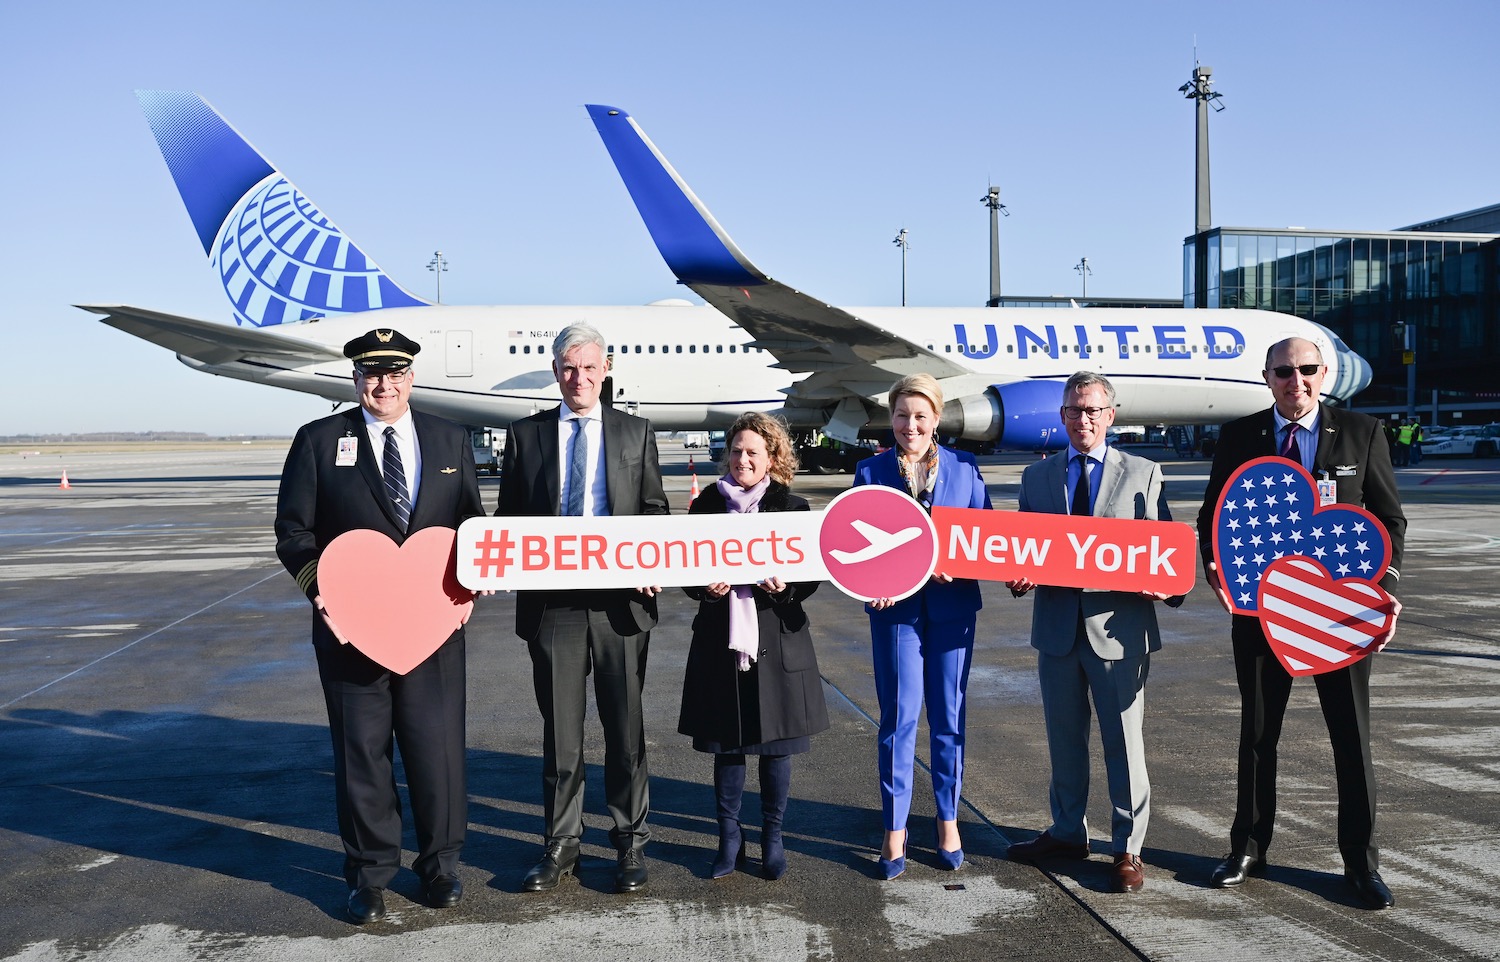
pixel 918 385
pixel 778 444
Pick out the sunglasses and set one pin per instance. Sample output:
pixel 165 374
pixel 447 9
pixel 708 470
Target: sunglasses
pixel 1287 370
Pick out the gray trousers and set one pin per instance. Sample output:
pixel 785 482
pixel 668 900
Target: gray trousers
pixel 1118 689
pixel 571 643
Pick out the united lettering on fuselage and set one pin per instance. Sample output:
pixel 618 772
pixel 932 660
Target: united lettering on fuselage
pixel 1214 341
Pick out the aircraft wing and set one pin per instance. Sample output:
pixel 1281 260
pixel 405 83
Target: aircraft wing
pixel 846 357
pixel 210 342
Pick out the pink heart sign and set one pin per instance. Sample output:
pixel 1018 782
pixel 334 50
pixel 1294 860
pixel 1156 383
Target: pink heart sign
pixel 1315 622
pixel 395 603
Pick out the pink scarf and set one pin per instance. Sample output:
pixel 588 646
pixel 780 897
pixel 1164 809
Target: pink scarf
pixel 744 624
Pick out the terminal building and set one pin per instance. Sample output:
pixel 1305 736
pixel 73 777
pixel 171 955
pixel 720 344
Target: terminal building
pixel 1427 294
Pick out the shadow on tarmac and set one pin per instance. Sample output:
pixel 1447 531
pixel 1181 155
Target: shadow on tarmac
pixel 253 800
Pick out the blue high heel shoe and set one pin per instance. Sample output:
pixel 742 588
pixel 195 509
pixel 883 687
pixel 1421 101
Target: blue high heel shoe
pixel 892 867
pixel 951 861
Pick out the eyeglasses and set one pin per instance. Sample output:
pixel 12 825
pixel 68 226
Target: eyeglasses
pixel 1306 370
pixel 374 377
pixel 1074 413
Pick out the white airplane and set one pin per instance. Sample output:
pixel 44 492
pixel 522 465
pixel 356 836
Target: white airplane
pixel 299 288
pixel 881 542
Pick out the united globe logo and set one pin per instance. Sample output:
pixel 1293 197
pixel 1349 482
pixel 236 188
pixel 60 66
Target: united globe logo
pixel 281 260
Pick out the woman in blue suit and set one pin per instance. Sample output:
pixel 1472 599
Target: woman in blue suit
pixel 922 645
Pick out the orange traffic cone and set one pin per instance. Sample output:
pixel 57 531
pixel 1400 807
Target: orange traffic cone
pixel 693 491
pixel 64 484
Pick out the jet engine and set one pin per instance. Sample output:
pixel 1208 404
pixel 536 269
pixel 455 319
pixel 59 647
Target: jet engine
pixel 1020 415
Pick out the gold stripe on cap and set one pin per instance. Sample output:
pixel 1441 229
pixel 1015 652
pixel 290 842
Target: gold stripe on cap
pixel 368 354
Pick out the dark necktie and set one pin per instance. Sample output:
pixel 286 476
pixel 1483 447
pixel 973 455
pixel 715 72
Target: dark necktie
pixel 578 459
pixel 1291 450
pixel 1081 489
pixel 395 479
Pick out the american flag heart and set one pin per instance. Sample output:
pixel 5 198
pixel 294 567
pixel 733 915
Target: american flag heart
pixel 1316 623
pixel 1269 510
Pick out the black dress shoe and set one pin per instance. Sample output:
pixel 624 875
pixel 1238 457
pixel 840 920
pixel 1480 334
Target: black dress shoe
pixel 1234 870
pixel 443 892
pixel 1044 846
pixel 631 875
pixel 1370 888
pixel 366 905
pixel 561 859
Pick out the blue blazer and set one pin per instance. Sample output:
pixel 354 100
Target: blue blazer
pixel 958 486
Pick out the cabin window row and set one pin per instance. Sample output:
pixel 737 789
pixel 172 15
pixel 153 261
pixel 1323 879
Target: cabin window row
pixel 651 349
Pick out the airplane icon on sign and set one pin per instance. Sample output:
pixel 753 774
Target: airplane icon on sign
pixel 880 542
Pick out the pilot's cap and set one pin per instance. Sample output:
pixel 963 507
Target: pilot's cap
pixel 382 350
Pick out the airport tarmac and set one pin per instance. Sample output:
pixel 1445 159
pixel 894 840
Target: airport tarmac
pixel 165 763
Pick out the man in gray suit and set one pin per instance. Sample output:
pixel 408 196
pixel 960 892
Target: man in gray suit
pixel 1094 642
pixel 584 458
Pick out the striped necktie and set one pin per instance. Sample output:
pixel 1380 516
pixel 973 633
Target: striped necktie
pixel 395 479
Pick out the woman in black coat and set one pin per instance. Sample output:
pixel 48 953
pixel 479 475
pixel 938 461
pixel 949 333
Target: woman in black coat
pixel 752 685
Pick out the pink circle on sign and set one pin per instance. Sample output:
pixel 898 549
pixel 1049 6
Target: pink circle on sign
pixel 877 542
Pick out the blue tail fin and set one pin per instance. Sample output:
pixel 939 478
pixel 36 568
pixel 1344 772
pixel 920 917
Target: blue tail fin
pixel 692 243
pixel 278 257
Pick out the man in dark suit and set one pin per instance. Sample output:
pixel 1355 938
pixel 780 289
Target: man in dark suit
pixel 387 468
pixel 1350 450
pixel 585 458
pixel 1094 643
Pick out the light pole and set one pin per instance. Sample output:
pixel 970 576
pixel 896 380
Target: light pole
pixel 992 201
pixel 902 243
pixel 1083 269
pixel 438 265
pixel 1200 89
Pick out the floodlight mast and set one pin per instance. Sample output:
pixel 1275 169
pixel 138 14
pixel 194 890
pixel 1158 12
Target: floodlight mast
pixel 992 201
pixel 902 243
pixel 1083 269
pixel 437 265
pixel 1200 88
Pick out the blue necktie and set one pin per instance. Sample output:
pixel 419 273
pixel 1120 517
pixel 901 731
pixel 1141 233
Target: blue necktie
pixel 578 458
pixel 1081 489
pixel 395 479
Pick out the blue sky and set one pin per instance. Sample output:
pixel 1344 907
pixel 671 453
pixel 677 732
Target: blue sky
pixel 813 130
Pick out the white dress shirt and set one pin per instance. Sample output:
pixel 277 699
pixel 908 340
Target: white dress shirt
pixel 596 497
pixel 406 443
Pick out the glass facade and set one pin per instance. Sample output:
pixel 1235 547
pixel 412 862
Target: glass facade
pixel 1364 287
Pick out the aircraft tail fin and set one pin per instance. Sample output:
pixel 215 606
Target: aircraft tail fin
pixel 692 243
pixel 278 257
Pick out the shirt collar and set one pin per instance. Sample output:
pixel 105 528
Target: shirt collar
pixel 401 424
pixel 568 414
pixel 1308 421
pixel 1097 455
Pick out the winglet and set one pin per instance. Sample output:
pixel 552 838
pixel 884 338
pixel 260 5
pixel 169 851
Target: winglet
pixel 693 244
pixel 277 256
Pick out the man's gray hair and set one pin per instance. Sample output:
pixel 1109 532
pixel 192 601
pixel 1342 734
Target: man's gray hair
pixel 1084 380
pixel 576 335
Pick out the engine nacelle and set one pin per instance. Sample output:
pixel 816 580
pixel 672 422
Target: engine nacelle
pixel 1021 415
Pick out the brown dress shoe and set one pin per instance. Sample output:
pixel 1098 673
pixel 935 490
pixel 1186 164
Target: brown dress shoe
pixel 1129 874
pixel 1044 846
